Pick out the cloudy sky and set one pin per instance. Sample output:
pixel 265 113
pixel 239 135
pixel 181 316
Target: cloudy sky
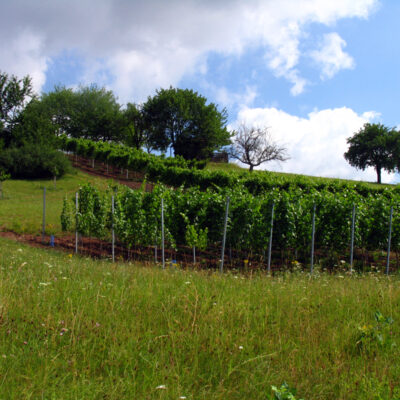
pixel 313 71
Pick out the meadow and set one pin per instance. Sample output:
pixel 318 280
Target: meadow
pixel 21 209
pixel 74 328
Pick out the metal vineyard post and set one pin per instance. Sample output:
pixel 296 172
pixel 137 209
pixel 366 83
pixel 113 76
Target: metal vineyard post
pixel 270 238
pixel 112 227
pixel 312 240
pixel 162 233
pixel 353 222
pixel 44 214
pixel 76 223
pixel 224 235
pixel 389 240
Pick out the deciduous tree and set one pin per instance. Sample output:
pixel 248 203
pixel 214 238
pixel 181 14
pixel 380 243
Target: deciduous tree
pixel 181 119
pixel 374 145
pixel 254 146
pixel 14 95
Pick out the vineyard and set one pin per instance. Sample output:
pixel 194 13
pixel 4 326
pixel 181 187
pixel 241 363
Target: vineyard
pixel 178 172
pixel 194 219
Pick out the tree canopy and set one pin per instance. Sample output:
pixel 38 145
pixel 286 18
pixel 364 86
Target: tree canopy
pixel 134 132
pixel 374 145
pixel 14 95
pixel 181 119
pixel 89 112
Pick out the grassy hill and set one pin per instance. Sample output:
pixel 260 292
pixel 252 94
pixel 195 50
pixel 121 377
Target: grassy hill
pixel 21 209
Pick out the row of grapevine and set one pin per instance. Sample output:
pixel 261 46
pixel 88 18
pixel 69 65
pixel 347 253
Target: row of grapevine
pixel 177 171
pixel 195 218
pixel 123 156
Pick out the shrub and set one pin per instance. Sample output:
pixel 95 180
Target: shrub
pixel 33 161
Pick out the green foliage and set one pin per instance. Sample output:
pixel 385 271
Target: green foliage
pixel 88 112
pixel 3 175
pixel 93 216
pixel 33 161
pixel 374 145
pixel 14 94
pixel 377 336
pixel 178 171
pixel 34 125
pixel 195 217
pixel 284 392
pixel 180 118
pixel 195 236
pixel 134 132
pixel 67 216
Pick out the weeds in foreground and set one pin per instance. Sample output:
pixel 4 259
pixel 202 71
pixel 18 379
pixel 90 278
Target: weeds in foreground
pixel 284 392
pixel 370 337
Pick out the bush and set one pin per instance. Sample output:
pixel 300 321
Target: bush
pixel 33 161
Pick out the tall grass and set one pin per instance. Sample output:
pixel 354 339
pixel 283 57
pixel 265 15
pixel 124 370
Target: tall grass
pixel 73 328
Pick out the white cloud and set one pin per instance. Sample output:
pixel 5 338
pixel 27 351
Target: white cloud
pixel 227 98
pixel 145 45
pixel 331 56
pixel 316 144
pixel 24 56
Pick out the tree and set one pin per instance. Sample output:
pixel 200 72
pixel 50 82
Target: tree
pixel 90 112
pixel 181 119
pixel 14 96
pixel 254 146
pixel 374 145
pixel 33 125
pixel 134 133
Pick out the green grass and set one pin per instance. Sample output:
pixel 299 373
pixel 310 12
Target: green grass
pixel 73 328
pixel 21 209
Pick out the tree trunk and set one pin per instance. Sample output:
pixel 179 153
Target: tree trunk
pixel 251 167
pixel 378 173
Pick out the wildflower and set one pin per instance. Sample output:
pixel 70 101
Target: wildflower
pixel 161 387
pixel 182 397
pixel 240 347
pixel 70 255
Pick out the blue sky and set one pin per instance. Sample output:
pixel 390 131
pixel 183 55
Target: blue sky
pixel 312 71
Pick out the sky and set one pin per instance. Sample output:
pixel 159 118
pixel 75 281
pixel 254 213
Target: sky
pixel 311 71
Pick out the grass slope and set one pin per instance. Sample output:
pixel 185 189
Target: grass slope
pixel 21 209
pixel 73 328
